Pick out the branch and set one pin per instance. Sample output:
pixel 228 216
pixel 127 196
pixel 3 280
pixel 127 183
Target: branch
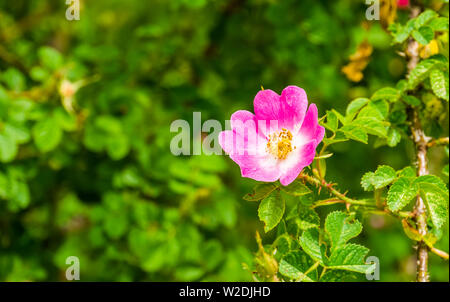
pixel 329 186
pixel 440 253
pixel 421 141
pixel 438 142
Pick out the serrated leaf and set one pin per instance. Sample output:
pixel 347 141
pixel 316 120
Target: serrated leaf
pixel 393 137
pixel 411 100
pixel 432 179
pixel 423 35
pixel 296 188
pixel 309 241
pixel 422 71
pixel 340 117
pixel 340 228
pixel 424 18
pixel 382 177
pixel 439 24
pixel 332 121
pixel 371 125
pixel 354 107
pixel 436 200
pixel 307 217
pixel 339 137
pixel 271 210
pixel 336 276
pixel 260 191
pixel 294 265
pixel 361 268
pixel 387 93
pixel 355 133
pixel 407 172
pixel 284 244
pixel 439 83
pixel 350 257
pixel 401 33
pixel 402 191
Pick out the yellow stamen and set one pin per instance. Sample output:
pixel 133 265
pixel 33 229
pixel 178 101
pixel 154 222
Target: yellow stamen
pixel 280 144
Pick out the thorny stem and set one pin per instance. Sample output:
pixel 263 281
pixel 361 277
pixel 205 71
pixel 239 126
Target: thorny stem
pixel 322 183
pixel 421 141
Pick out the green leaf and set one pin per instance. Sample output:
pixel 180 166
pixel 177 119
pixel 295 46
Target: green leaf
pixel 260 191
pixel 445 170
pixel 387 93
pixel 423 35
pixel 355 133
pixel 340 228
pixel 271 210
pixel 432 179
pixel 19 194
pixel 382 177
pixel 407 172
pixel 422 71
pixel 393 137
pixel 371 125
pixel 402 191
pixel 336 276
pixel 307 217
pixel 117 146
pixel 50 58
pixel 350 257
pixel 332 121
pixel 439 83
pixel 354 107
pixel 8 148
pixel 435 194
pixel 411 100
pixel 14 79
pixel 65 120
pixel 439 24
pixel 47 134
pixel 295 264
pixel 296 188
pixel 19 133
pixel 424 18
pixel 309 241
pixel 401 33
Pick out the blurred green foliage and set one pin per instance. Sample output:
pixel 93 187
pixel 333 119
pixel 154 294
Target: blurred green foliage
pixel 85 111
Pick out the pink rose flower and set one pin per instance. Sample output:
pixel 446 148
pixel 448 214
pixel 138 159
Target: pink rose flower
pixel 402 3
pixel 276 142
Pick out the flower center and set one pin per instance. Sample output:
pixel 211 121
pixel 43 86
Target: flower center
pixel 280 144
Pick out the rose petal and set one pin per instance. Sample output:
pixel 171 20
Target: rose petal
pixel 300 158
pixel 294 103
pixel 310 128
